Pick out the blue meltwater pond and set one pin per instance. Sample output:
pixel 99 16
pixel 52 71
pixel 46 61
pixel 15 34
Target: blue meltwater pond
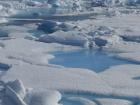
pixel 97 61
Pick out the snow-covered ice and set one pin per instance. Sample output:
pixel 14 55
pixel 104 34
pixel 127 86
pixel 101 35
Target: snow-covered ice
pixel 16 93
pixel 32 31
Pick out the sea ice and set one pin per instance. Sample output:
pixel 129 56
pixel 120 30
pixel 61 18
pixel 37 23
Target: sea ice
pixel 16 93
pixel 114 27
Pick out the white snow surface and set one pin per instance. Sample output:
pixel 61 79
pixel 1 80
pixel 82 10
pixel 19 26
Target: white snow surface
pixel 31 80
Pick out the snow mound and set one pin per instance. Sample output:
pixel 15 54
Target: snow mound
pixel 43 98
pixel 18 87
pixel 68 38
pixel 18 94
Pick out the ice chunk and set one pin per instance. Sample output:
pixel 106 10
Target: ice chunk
pixel 100 42
pixel 48 26
pixel 33 3
pixel 104 35
pixel 15 98
pixel 3 33
pixel 18 87
pixel 66 26
pixel 102 30
pixel 4 67
pixel 53 26
pixel 40 97
pixel 15 91
pixel 67 38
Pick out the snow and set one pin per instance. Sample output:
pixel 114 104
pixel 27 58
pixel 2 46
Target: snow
pixel 3 20
pixel 80 100
pixel 114 102
pixel 122 78
pixel 16 93
pixel 33 3
pixel 102 101
pixel 18 87
pixel 56 77
pixel 67 38
pixel 53 26
pixel 37 97
pixel 24 57
pixel 3 33
pixel 53 77
pixel 133 56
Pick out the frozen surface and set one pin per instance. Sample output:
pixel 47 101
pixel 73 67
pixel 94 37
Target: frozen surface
pixel 26 74
pixel 16 93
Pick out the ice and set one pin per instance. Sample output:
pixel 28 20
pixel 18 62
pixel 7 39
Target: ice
pixel 6 9
pixel 105 101
pixel 18 87
pixel 27 77
pixel 127 73
pixel 69 34
pixel 37 97
pixel 114 2
pixel 80 101
pixel 3 33
pixel 133 56
pixel 4 66
pixel 34 3
pixel 53 26
pixel 33 8
pixel 16 93
pixel 67 38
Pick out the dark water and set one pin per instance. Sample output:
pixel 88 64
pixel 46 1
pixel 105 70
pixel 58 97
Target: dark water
pixel 97 61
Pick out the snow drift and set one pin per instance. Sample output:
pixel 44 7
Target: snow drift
pixel 18 94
